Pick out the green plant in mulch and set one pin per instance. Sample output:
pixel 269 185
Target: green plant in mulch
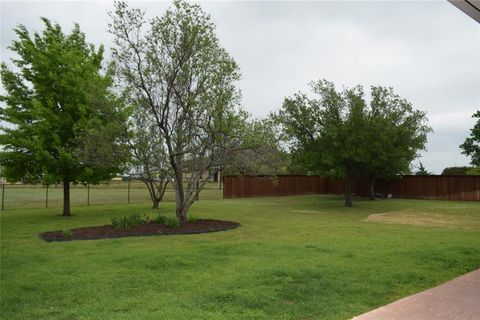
pixel 128 222
pixel 172 223
pixel 67 234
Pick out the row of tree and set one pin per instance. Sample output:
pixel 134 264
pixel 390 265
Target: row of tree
pixel 167 110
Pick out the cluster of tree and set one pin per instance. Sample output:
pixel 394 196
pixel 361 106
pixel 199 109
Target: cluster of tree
pixel 165 110
pixel 182 86
pixel 336 133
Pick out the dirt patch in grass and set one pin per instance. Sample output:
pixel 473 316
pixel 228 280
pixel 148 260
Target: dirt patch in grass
pixel 419 218
pixel 149 229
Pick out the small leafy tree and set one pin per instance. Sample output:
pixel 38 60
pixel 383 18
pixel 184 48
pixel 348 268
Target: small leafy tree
pixel 422 171
pixel 471 146
pixel 175 67
pixel 65 124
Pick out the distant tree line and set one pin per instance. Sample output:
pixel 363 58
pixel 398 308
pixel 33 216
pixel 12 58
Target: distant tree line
pixel 458 171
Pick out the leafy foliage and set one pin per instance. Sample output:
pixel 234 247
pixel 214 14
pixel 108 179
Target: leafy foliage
pixel 66 125
pixel 67 234
pixel 174 70
pixel 260 154
pixel 160 218
pixel 127 222
pixel 396 132
pixel 172 223
pixel 453 171
pixel 471 146
pixel 192 219
pixel 422 171
pixel 338 134
pixel 149 160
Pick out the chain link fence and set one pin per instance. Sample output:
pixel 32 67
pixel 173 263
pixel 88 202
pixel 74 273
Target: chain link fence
pixel 19 196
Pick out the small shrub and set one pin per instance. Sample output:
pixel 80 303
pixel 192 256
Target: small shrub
pixel 172 223
pixel 119 222
pixel 67 234
pixel 192 219
pixel 127 222
pixel 162 219
pixel 134 220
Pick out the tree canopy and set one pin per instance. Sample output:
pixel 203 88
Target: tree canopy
pixel 453 171
pixel 471 146
pixel 422 171
pixel 338 134
pixel 395 134
pixel 64 122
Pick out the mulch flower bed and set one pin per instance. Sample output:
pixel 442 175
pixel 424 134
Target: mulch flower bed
pixel 149 229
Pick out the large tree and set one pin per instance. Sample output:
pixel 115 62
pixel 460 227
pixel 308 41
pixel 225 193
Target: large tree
pixel 471 146
pixel 327 133
pixel 174 67
pixel 64 123
pixel 395 134
pixel 338 134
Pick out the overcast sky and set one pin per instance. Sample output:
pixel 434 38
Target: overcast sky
pixel 428 51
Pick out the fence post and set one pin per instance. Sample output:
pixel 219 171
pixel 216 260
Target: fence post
pixel 128 188
pixel 3 196
pixel 46 196
pixel 88 194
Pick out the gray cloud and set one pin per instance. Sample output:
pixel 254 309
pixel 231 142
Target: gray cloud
pixel 428 51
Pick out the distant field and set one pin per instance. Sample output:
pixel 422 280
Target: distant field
pixel 34 196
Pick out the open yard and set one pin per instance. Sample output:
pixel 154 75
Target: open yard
pixel 303 257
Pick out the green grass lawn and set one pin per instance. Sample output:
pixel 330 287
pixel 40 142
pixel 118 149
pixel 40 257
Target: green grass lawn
pixel 304 257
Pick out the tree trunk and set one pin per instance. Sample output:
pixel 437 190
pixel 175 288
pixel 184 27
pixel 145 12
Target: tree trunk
pixel 181 212
pixel 151 190
pixel 219 179
pixel 348 192
pixel 66 198
pixel 371 188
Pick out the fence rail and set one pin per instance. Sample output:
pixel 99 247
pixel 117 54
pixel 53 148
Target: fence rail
pixel 15 196
pixel 413 187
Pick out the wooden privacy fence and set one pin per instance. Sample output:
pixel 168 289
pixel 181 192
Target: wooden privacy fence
pixel 412 187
